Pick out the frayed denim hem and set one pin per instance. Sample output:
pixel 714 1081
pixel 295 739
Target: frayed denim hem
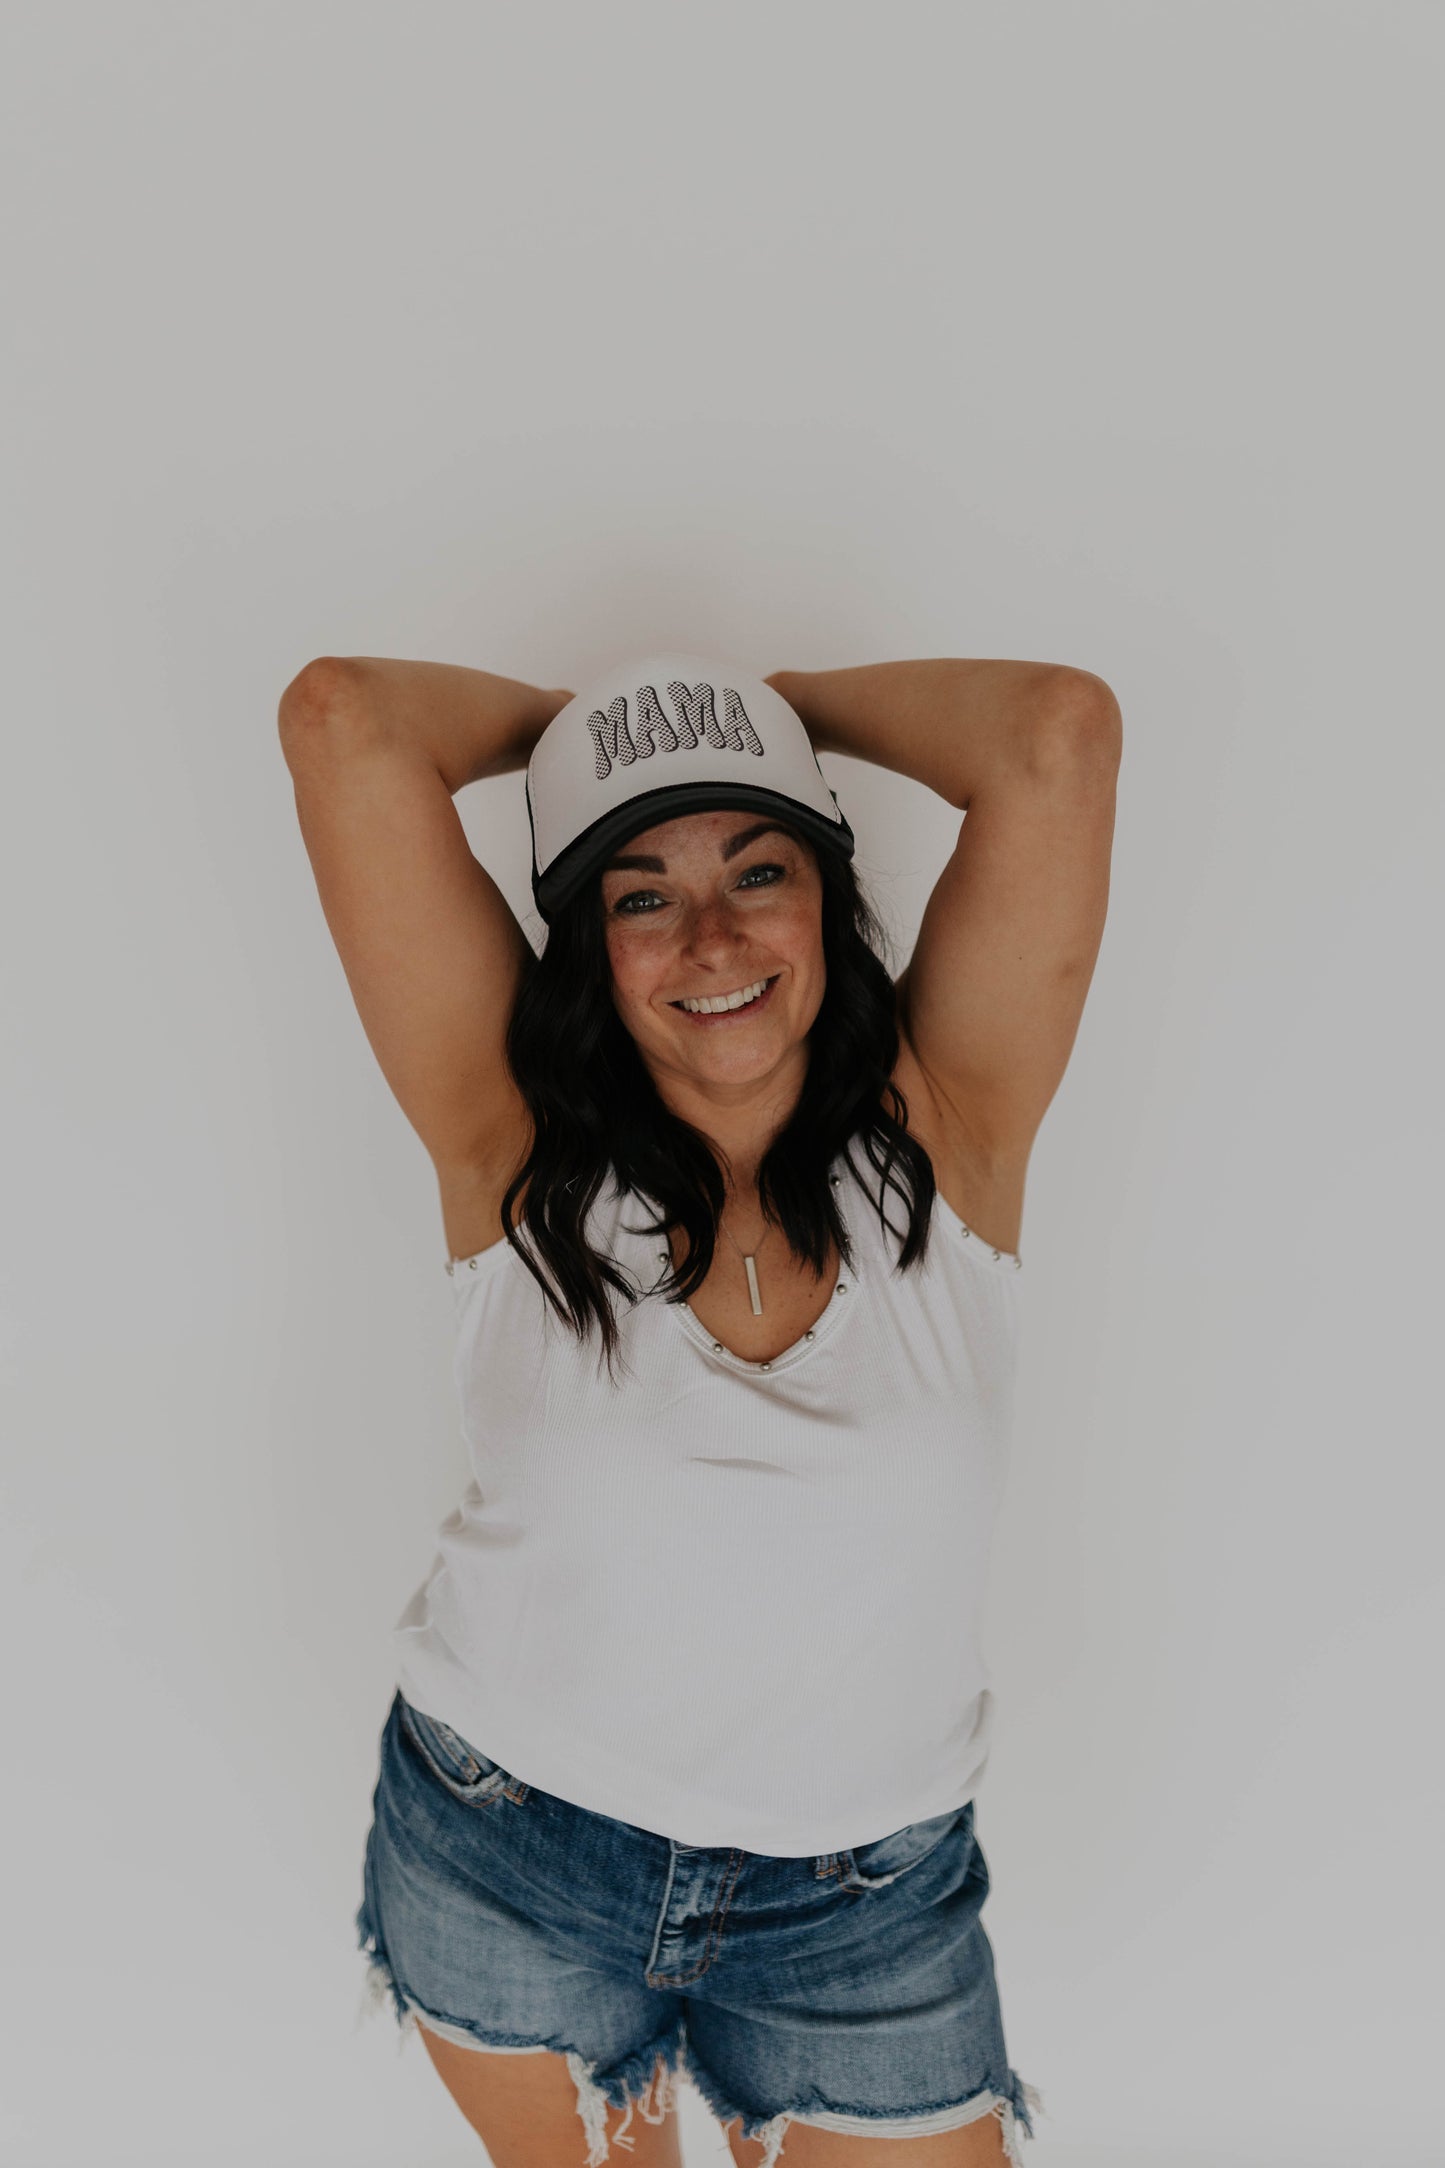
pixel 655 2070
pixel 1014 2103
pixel 652 2069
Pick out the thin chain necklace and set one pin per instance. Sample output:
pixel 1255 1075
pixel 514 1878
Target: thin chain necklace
pixel 748 1265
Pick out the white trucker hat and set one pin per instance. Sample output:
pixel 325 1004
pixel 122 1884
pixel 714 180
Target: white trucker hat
pixel 666 735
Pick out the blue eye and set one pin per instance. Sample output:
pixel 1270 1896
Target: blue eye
pixel 641 896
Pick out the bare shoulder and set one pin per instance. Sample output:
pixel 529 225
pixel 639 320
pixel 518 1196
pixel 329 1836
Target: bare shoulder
pixel 984 1189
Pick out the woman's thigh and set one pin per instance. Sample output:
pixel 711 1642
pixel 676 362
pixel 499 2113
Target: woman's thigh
pixel 524 2108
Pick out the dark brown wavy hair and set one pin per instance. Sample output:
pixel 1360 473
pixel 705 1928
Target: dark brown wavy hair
pixel 595 1108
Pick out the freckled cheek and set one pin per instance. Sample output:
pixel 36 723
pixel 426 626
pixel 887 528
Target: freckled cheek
pixel 800 946
pixel 635 979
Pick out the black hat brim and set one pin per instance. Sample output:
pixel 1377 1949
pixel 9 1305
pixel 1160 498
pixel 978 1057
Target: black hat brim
pixel 589 852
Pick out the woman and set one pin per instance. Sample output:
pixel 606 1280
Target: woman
pixel 692 1707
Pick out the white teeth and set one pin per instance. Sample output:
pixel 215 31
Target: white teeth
pixel 716 1006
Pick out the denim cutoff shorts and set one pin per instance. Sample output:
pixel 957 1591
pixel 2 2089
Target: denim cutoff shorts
pixel 853 1991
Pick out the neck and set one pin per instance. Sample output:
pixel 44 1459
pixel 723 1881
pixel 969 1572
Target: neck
pixel 739 1128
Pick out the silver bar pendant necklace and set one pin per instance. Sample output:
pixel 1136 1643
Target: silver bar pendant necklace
pixel 748 1266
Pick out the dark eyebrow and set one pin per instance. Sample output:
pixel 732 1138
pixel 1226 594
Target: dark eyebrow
pixel 646 862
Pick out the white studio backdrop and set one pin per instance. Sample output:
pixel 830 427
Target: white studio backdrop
pixel 813 335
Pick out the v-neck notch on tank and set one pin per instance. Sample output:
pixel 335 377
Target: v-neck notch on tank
pixel 842 1302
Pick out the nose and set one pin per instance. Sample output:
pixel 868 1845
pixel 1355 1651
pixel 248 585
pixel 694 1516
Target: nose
pixel 713 936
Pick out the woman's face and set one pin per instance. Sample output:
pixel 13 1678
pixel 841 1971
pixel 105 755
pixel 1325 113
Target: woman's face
pixel 704 907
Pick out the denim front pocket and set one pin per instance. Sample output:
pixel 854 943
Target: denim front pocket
pixel 875 1865
pixel 467 1774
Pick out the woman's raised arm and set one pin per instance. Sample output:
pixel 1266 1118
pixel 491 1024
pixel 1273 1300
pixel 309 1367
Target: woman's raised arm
pixel 990 1002
pixel 432 952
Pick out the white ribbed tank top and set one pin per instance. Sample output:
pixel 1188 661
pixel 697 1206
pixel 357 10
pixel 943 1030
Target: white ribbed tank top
pixel 733 1603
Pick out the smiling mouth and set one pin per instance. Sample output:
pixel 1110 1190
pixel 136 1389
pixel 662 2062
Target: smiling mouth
pixel 740 1002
